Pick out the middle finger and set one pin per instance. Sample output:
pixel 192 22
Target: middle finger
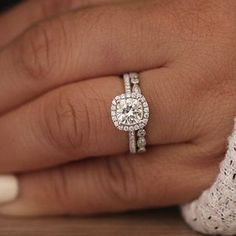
pixel 92 42
pixel 15 21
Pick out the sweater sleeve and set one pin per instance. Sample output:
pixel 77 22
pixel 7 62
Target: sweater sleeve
pixel 214 212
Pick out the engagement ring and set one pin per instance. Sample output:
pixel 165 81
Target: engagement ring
pixel 130 112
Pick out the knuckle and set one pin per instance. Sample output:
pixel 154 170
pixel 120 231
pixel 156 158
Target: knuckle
pixel 120 180
pixel 37 50
pixel 73 119
pixel 96 113
pixel 64 123
pixel 209 154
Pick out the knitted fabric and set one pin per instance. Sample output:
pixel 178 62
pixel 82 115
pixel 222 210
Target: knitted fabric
pixel 214 212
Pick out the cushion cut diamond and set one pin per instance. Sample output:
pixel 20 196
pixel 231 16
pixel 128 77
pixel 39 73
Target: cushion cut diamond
pixel 128 111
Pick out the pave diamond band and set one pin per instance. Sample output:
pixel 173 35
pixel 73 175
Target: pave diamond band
pixel 130 112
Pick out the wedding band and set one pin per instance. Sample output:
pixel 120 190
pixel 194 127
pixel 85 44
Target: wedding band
pixel 130 113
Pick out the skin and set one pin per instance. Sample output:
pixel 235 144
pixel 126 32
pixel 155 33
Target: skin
pixel 60 67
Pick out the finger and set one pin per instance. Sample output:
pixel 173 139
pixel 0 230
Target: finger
pixel 14 22
pixel 116 183
pixel 74 122
pixel 105 40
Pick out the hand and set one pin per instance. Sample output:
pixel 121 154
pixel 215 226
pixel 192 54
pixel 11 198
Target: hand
pixel 58 79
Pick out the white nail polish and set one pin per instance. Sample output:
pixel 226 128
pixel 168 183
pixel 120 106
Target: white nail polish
pixel 9 188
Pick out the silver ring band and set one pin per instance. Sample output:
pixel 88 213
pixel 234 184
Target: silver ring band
pixel 132 135
pixel 140 140
pixel 130 112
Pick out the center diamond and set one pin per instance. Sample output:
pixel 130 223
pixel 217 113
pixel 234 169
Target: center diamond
pixel 129 111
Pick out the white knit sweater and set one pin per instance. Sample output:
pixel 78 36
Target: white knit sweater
pixel 214 212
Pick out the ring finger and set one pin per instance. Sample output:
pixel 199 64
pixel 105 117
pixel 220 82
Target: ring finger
pixel 73 122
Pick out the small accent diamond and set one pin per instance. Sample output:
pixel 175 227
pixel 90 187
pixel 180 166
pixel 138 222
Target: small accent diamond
pixel 141 133
pixel 120 127
pixel 141 142
pixel 134 78
pixel 126 128
pixel 131 128
pixel 145 104
pixel 141 126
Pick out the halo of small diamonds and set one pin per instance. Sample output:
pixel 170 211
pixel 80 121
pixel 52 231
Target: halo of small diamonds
pixel 130 112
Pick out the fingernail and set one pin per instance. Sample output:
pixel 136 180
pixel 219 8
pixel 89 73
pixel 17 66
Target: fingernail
pixel 9 188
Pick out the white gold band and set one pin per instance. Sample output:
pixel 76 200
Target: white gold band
pixel 132 135
pixel 137 141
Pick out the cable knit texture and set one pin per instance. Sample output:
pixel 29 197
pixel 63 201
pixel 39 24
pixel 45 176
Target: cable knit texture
pixel 214 212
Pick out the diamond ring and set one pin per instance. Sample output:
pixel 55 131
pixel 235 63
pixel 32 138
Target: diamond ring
pixel 130 112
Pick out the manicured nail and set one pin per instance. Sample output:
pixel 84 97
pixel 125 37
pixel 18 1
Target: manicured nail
pixel 9 188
